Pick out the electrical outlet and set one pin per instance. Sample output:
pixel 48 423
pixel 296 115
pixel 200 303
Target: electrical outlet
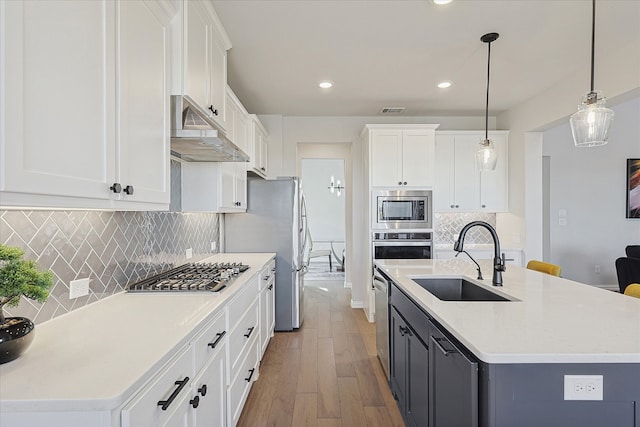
pixel 214 246
pixel 189 253
pixel 583 387
pixel 78 288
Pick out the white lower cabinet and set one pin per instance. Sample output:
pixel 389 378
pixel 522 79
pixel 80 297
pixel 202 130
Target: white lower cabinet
pixel 243 378
pixel 156 403
pixel 267 305
pixel 210 389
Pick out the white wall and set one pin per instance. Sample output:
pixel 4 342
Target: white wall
pixel 589 184
pixel 617 76
pixel 325 210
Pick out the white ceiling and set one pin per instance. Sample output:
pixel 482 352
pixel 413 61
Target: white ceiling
pixel 392 53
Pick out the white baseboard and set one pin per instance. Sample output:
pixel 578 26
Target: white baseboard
pixel 357 304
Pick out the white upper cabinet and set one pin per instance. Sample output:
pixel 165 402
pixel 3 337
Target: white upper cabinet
pixel 84 87
pixel 214 187
pixel 459 185
pixel 237 120
pixel 258 147
pixel 143 102
pixel 401 156
pixel 205 58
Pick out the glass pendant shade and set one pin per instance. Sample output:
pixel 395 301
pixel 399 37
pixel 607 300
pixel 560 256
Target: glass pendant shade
pixel 591 123
pixel 486 156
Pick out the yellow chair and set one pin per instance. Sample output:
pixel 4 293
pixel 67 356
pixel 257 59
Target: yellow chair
pixel 633 290
pixel 544 267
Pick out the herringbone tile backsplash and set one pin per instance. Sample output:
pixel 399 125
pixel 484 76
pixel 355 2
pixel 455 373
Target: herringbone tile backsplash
pixel 112 249
pixel 448 225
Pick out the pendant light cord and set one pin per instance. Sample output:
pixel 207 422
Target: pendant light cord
pixel 593 42
pixel 486 109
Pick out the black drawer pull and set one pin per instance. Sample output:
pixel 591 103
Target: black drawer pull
pixel 165 403
pixel 266 278
pixel 195 402
pixel 270 286
pixel 250 331
pixel 446 352
pixel 251 371
pixel 219 337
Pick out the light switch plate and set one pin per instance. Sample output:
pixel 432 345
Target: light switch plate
pixel 78 288
pixel 214 246
pixel 583 387
pixel 189 253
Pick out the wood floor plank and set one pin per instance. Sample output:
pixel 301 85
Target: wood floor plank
pixel 281 412
pixel 370 343
pixel 260 398
pixel 324 321
pixel 344 361
pixel 328 403
pixel 329 422
pixel 362 364
pixel 351 403
pixel 305 410
pixel 390 402
pixel 377 416
pixel 308 371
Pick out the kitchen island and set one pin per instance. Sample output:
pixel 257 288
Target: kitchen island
pixel 557 352
pixel 86 367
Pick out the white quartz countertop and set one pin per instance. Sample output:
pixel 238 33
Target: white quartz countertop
pixel 93 358
pixel 555 320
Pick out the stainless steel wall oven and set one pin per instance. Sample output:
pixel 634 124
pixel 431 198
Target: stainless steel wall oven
pixel 402 245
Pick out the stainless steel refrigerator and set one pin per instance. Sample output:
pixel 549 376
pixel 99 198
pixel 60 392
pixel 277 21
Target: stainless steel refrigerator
pixel 275 221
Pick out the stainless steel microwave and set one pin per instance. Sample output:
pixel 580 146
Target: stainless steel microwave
pixel 400 209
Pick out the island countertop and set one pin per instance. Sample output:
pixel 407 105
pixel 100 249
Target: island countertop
pixel 93 358
pixel 554 320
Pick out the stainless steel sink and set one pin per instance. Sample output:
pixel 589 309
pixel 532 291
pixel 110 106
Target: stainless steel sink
pixel 458 289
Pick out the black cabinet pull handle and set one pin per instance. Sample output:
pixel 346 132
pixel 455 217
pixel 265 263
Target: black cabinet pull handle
pixel 404 183
pixel 219 336
pixel 402 329
pixel 116 187
pixel 250 331
pixel 438 343
pixel 263 169
pixel 266 278
pixel 399 182
pixel 270 286
pixel 251 371
pixel 128 189
pixel 165 403
pixel 213 111
pixel 195 402
pixel 203 390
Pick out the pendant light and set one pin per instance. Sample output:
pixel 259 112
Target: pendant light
pixel 590 124
pixel 486 156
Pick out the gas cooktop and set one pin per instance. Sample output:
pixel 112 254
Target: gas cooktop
pixel 203 277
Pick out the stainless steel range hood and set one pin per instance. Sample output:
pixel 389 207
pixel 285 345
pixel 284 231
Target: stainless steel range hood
pixel 196 138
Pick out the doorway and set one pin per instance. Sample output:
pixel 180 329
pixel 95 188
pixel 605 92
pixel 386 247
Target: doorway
pixel 328 213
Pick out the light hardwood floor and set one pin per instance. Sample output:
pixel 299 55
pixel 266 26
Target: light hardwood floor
pixel 326 373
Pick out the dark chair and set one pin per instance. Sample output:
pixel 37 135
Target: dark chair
pixel 628 270
pixel 633 251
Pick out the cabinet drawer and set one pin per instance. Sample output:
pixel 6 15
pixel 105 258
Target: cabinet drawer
pixel 242 300
pixel 267 275
pixel 244 332
pixel 209 340
pixel 172 384
pixel 415 317
pixel 241 383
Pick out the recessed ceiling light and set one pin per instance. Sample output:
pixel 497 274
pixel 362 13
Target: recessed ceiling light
pixel 325 84
pixel 442 1
pixel 445 84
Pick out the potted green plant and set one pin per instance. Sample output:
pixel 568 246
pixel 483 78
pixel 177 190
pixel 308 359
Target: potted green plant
pixel 18 277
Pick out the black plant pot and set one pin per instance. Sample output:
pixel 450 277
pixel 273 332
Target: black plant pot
pixel 16 335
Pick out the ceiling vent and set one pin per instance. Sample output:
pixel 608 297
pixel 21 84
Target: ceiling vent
pixel 392 110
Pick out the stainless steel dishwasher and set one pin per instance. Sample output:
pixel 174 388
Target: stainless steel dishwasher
pixel 381 292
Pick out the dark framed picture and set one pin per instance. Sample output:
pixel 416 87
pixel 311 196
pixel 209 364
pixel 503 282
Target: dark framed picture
pixel 633 188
